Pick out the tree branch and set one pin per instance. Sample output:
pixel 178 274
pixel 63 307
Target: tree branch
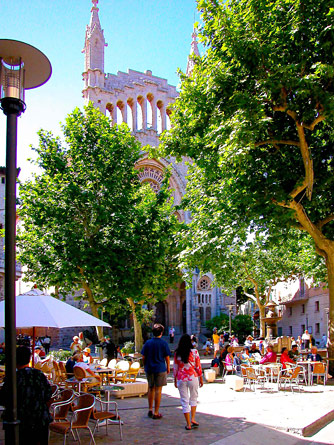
pixel 277 141
pixel 311 127
pixel 324 221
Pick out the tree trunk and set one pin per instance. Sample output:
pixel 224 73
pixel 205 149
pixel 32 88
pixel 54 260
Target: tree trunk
pixel 330 333
pixel 137 327
pixel 262 312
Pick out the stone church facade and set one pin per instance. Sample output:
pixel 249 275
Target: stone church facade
pixel 142 101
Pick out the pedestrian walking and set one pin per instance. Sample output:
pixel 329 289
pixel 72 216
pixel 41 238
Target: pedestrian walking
pixel 156 358
pixel 187 372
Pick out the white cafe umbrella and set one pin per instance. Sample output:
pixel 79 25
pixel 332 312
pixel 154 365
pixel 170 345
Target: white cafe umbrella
pixel 36 309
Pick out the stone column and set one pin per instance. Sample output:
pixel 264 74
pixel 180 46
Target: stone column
pixel 154 114
pixel 134 116
pixel 163 118
pixel 144 114
pixel 125 113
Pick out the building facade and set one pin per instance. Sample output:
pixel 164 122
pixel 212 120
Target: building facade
pixel 142 101
pixel 304 307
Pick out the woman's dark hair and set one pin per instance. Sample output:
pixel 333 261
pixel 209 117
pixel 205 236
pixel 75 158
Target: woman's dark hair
pixel 23 354
pixel 283 349
pixel 184 347
pixel 157 329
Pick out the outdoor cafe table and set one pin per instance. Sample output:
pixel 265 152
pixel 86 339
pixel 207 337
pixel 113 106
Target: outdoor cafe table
pixel 98 369
pixel 308 365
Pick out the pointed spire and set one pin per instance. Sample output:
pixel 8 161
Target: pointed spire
pixel 194 52
pixel 94 18
pixel 94 41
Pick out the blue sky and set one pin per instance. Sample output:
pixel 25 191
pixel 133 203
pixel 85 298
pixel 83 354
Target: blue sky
pixel 141 35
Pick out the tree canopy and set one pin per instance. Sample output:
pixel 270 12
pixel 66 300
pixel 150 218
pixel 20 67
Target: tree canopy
pixel 257 116
pixel 88 223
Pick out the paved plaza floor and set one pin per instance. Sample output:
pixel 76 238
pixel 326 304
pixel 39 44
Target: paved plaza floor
pixel 226 417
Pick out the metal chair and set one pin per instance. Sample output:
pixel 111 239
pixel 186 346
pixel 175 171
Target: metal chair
pixel 61 404
pixel 254 378
pixel 290 378
pixel 319 370
pixel 106 413
pixel 82 409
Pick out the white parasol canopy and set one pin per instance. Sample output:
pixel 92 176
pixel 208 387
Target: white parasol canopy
pixel 36 309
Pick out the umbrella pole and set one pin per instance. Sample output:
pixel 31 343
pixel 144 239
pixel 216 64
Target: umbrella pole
pixel 33 347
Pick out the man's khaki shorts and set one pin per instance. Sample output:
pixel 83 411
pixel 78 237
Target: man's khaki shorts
pixel 156 379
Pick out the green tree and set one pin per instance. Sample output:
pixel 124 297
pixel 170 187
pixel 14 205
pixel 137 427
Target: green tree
pixel 258 116
pixel 242 326
pixel 219 321
pixel 88 223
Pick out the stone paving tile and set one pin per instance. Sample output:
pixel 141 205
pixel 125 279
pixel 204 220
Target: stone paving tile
pixel 140 429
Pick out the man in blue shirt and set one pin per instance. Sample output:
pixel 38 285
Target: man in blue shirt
pixel 156 358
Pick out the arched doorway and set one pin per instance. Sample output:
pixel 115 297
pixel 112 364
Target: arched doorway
pixel 160 314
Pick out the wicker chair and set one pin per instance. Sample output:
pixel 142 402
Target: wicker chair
pixel 84 405
pixel 61 404
pixel 289 378
pixel 319 370
pixel 108 411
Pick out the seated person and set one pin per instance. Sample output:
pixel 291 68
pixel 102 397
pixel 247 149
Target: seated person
pixel 229 359
pixel 269 357
pixel 87 358
pixel 285 358
pixel 294 353
pixel 237 363
pixel 254 350
pixel 93 378
pixel 71 362
pixel 208 347
pixel 244 358
pixel 249 341
pixel 313 355
pixel 222 357
pixel 38 354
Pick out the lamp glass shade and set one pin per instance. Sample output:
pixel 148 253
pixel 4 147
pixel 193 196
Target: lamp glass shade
pixel 22 67
pixel 12 78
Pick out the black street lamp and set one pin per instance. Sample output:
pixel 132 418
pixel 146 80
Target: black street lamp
pixel 22 67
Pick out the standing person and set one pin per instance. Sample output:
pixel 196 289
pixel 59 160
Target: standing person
pixel 156 358
pixel 171 334
pixel 75 346
pixel 33 393
pixel 306 339
pixel 47 344
pixel 84 342
pixel 109 350
pixel 215 340
pixel 187 371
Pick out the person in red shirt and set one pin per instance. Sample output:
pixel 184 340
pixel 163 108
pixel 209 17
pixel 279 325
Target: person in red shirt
pixel 285 358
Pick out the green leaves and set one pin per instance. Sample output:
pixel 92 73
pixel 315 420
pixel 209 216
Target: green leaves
pixel 88 223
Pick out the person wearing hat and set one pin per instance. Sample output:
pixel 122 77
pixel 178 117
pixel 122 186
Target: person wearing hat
pixel 75 345
pixel 87 358
pixel 37 354
pixel 109 350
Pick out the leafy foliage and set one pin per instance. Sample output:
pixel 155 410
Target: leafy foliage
pixel 88 223
pixel 242 326
pixel 219 321
pixel 257 118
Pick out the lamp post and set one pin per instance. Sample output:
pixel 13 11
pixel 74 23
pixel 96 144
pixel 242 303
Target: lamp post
pixel 21 67
pixel 230 310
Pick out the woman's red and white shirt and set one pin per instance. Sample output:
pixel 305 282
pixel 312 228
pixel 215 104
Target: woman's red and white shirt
pixel 187 371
